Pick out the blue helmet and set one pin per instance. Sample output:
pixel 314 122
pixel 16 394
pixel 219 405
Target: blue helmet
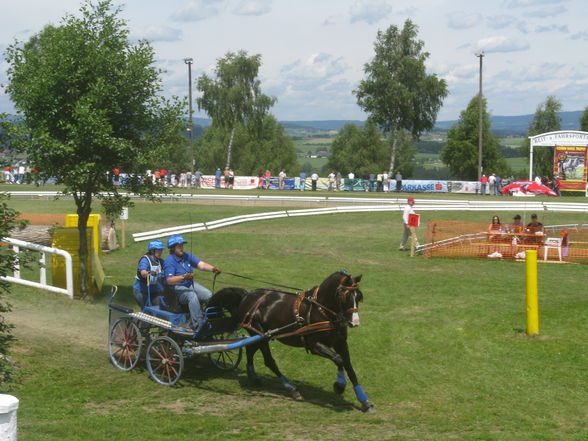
pixel 155 245
pixel 175 239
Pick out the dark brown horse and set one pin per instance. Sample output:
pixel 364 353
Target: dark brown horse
pixel 316 319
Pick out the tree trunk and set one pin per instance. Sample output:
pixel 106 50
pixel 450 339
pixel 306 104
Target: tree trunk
pixel 40 234
pixel 393 153
pixel 230 148
pixel 84 207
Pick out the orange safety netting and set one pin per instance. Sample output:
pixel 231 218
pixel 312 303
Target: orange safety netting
pixel 566 243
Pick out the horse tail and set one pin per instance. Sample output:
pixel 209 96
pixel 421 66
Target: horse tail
pixel 228 298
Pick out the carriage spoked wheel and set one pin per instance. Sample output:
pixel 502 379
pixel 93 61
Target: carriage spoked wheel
pixel 124 344
pixel 165 361
pixel 227 360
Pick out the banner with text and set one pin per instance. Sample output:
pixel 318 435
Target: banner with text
pixel 570 164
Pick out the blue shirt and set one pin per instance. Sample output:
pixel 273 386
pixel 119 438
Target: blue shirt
pixel 178 266
pixel 141 283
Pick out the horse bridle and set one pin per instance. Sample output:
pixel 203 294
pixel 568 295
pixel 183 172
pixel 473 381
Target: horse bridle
pixel 342 297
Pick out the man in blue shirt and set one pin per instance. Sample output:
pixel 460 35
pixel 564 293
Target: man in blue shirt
pixel 178 273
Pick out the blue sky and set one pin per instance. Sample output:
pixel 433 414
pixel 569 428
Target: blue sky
pixel 313 51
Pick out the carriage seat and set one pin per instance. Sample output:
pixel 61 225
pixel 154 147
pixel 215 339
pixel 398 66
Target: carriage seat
pixel 173 317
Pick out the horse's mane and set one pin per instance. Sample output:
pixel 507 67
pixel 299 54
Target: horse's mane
pixel 228 298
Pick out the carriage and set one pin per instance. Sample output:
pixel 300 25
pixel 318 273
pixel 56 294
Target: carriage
pixel 166 341
pixel 316 319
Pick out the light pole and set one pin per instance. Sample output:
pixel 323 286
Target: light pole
pixel 480 55
pixel 189 61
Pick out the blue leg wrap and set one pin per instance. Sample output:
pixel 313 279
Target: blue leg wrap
pixel 287 383
pixel 360 394
pixel 341 378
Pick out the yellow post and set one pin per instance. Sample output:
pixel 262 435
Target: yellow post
pixel 531 291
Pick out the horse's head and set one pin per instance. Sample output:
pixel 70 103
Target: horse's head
pixel 348 297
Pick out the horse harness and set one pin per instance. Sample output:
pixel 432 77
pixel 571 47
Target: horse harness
pixel 305 327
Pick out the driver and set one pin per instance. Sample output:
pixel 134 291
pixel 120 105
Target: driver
pixel 178 273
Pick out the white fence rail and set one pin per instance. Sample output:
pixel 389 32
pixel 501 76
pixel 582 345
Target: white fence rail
pixel 392 205
pixel 42 283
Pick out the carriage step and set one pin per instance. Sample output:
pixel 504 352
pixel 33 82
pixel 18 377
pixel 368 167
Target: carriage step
pixel 120 308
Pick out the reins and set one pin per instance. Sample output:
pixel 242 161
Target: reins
pixel 262 281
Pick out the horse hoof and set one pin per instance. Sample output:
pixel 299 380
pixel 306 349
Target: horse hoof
pixel 296 395
pixel 367 407
pixel 339 388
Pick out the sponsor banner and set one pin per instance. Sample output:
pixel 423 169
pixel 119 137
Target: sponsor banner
pixel 570 164
pixel 414 186
pixel 289 183
pixel 241 182
pixel 463 186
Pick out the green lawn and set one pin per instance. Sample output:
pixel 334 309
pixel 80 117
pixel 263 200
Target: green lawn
pixel 440 350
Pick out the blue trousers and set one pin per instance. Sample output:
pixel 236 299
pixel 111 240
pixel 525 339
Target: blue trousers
pixel 193 296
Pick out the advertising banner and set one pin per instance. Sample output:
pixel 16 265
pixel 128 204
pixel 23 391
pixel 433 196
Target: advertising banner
pixel 570 164
pixel 241 182
pixel 415 186
pixel 463 187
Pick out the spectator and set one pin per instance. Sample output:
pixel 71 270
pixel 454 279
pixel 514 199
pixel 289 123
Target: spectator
pixel 372 178
pixel 314 178
pixel 492 184
pixel 366 181
pixel 351 178
pixel 483 184
pixel 226 177
pixel 197 178
pixel 338 181
pixel 495 231
pixel 385 181
pixel 331 181
pixel 557 185
pixel 398 179
pixel 281 177
pixel 498 185
pixel 116 173
pixel 302 180
pixel 267 178
pixel 231 179
pixel 217 177
pixel 379 182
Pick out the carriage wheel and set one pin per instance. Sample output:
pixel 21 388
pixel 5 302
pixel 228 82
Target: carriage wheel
pixel 165 361
pixel 124 344
pixel 227 360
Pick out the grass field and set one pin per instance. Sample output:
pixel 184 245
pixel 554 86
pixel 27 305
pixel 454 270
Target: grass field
pixel 440 351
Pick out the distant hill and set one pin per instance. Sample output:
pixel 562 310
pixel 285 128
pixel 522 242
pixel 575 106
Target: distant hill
pixel 518 125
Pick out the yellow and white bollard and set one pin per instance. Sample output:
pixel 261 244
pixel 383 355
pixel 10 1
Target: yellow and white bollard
pixel 532 301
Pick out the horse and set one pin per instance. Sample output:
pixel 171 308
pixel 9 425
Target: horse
pixel 317 319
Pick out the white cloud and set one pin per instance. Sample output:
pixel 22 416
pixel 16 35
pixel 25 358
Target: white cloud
pixel 197 10
pixel 463 20
pixel 253 7
pixel 583 35
pixel 318 66
pixel 531 3
pixel 553 28
pixel 502 44
pixel 501 21
pixel 547 12
pixel 370 11
pixel 157 33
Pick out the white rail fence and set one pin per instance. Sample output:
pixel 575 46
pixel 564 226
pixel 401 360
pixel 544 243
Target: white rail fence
pixel 43 251
pixel 391 205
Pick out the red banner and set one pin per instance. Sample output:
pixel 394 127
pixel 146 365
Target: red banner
pixel 569 163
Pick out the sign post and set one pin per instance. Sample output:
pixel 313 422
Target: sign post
pixel 531 292
pixel 124 216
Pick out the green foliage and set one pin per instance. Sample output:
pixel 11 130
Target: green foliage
pixel 90 103
pixel 234 97
pixel 584 120
pixel 461 151
pixel 545 120
pixel 7 260
pixel 269 148
pixel 397 92
pixel 358 149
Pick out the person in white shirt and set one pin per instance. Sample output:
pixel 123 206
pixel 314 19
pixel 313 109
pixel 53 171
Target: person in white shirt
pixel 331 181
pixel 314 178
pixel 407 233
pixel 281 177
pixel 351 177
